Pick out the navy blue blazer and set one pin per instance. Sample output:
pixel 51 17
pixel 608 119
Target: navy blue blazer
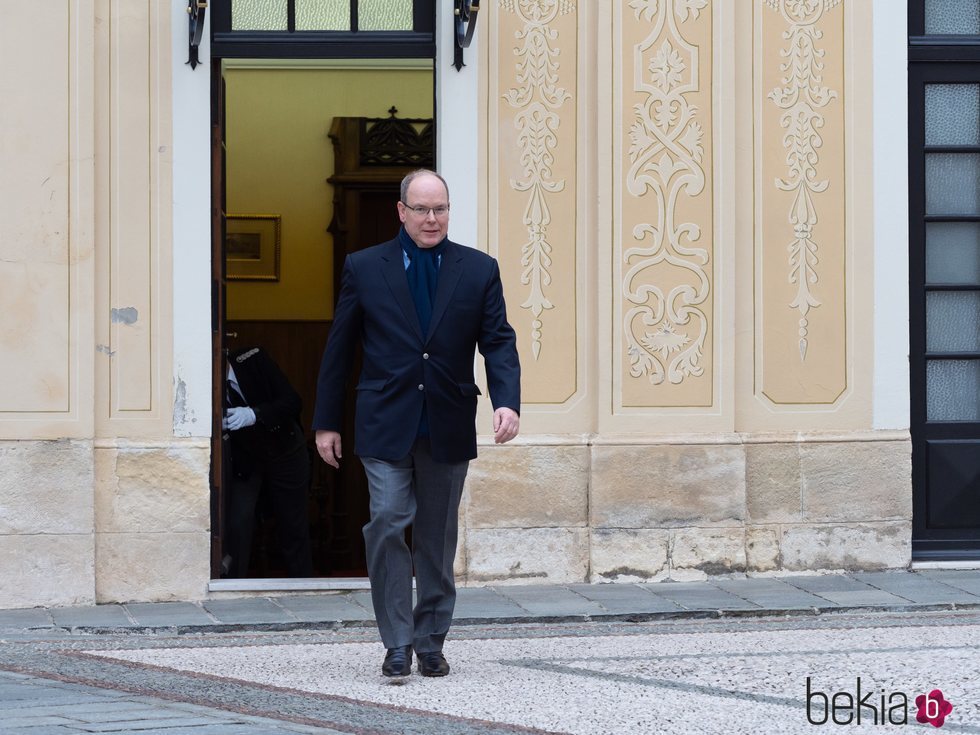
pixel 402 367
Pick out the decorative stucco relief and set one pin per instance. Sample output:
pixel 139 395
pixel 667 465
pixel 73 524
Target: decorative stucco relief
pixel 801 216
pixel 666 280
pixel 537 97
pixel 533 164
pixel 801 96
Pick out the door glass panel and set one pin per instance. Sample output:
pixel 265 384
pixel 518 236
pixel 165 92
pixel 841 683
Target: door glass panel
pixel 953 252
pixel 952 183
pixel 259 15
pixel 953 17
pixel 953 390
pixel 952 114
pixel 386 15
pixel 953 321
pixel 323 15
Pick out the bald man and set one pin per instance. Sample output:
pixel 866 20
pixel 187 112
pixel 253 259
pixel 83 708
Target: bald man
pixel 420 306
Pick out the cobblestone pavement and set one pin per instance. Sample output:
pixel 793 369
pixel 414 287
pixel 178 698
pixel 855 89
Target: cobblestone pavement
pixel 550 665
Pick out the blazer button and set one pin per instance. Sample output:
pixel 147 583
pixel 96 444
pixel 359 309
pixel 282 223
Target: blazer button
pixel 421 387
pixel 425 355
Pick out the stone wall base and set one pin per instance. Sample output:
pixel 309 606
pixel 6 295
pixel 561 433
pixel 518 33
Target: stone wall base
pixel 47 543
pixel 686 508
pixel 85 522
pixel 152 522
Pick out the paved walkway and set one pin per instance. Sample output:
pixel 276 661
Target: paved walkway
pixel 804 594
pixel 54 681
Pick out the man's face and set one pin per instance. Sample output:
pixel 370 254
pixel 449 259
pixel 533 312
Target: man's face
pixel 427 230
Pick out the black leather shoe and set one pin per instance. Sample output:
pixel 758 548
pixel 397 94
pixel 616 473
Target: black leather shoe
pixel 432 663
pixel 398 662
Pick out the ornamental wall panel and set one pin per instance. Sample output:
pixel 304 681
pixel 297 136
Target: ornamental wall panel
pixel 664 249
pixel 534 211
pixel 801 297
pixel 804 195
pixel 46 187
pixel 133 218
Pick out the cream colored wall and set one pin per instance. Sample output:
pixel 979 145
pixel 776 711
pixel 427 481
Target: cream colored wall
pixel 679 193
pixel 757 457
pixel 134 295
pixel 47 237
pixel 86 314
pixel 47 271
pixel 279 157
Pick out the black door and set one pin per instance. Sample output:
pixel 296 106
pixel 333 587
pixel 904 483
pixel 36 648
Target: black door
pixel 944 241
pixel 219 467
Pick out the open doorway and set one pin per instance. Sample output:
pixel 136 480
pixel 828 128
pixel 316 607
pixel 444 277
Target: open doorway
pixel 313 151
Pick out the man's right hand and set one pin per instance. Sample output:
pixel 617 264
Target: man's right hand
pixel 328 446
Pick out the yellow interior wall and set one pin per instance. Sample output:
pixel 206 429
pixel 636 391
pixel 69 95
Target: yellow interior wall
pixel 278 159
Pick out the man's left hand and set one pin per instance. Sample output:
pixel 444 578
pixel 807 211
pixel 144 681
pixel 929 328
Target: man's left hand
pixel 506 424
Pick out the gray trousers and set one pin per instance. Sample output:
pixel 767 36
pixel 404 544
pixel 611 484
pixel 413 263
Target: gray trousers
pixel 417 492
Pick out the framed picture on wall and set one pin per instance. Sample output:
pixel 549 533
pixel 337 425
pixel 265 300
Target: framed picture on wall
pixel 252 247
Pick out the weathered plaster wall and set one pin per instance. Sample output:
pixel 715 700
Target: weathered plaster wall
pixel 86 315
pixel 47 237
pixel 46 305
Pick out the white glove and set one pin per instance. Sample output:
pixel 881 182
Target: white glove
pixel 238 418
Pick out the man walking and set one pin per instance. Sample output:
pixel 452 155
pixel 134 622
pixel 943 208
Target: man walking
pixel 420 305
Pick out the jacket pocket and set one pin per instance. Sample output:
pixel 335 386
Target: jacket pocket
pixel 471 390
pixel 374 384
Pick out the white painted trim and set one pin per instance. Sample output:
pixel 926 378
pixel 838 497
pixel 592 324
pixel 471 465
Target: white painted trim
pixel 891 393
pixel 918 566
pixel 458 129
pixel 191 233
pixel 289 584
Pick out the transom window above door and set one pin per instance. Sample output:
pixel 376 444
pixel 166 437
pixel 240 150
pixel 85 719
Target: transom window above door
pixel 322 15
pixel 323 28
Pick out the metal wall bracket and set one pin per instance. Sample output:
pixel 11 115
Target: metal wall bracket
pixel 195 13
pixel 466 13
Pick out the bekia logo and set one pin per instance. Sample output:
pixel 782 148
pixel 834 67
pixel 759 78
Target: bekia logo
pixel 871 707
pixel 933 708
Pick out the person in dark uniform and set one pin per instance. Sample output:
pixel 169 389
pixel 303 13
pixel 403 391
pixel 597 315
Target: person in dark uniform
pixel 268 453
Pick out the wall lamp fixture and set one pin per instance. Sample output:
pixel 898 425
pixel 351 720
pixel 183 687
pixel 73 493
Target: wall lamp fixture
pixel 466 12
pixel 195 13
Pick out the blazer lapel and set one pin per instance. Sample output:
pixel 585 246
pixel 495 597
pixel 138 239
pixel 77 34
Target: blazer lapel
pixel 449 274
pixel 393 270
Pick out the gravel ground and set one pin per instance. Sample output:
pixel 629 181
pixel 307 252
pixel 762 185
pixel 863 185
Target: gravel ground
pixel 672 676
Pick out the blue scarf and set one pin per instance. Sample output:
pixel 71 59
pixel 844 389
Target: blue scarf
pixel 423 274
